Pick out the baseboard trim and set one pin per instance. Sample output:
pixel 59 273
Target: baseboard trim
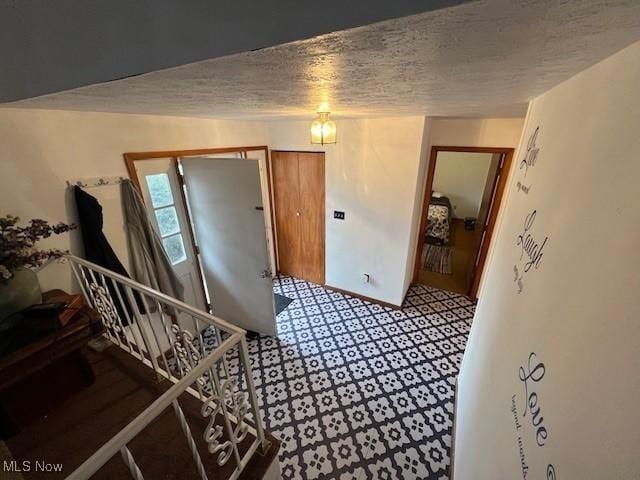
pixel 452 456
pixel 363 297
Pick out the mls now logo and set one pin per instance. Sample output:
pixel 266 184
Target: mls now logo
pixel 29 466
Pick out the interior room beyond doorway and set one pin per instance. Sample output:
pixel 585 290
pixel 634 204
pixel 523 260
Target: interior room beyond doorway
pixel 463 192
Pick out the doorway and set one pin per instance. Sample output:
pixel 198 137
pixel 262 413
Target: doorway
pixel 299 204
pixel 213 215
pixel 462 198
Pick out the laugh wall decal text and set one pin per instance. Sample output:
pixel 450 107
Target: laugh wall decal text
pixel 532 247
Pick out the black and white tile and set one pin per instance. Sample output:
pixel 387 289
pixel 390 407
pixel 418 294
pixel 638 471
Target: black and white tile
pixel 358 391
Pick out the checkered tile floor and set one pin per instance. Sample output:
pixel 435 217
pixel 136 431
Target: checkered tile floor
pixel 358 391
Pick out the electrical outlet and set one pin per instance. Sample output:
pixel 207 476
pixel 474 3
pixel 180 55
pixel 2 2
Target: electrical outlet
pixel 338 215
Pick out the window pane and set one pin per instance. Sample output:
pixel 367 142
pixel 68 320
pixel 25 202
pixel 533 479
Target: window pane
pixel 159 189
pixel 175 249
pixel 167 221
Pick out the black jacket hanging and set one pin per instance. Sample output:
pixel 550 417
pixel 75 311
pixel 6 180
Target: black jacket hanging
pixel 97 248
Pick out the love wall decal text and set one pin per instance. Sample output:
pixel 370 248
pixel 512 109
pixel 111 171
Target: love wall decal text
pixel 531 376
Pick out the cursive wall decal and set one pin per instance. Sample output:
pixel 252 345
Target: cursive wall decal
pixel 534 373
pixel 531 155
pixel 531 250
pixel 529 245
pixel 531 376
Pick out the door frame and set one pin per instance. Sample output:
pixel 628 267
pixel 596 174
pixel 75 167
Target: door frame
pixel 324 206
pixel 131 157
pixel 499 185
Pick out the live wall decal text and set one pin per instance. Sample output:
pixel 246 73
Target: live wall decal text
pixel 528 161
pixel 531 155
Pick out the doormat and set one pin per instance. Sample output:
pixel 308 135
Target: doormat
pixel 281 302
pixel 438 259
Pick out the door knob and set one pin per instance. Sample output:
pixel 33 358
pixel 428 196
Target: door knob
pixel 297 214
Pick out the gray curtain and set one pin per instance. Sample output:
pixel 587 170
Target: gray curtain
pixel 149 262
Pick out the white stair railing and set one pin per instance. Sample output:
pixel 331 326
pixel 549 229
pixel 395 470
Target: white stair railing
pixel 200 353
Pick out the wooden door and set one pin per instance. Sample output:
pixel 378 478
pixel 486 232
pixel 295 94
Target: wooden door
pixel 482 221
pixel 286 193
pixel 298 188
pixel 311 173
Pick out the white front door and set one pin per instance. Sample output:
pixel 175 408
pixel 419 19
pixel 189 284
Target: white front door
pixel 226 205
pixel 165 205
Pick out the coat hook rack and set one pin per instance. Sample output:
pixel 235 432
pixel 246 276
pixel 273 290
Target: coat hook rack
pixel 94 182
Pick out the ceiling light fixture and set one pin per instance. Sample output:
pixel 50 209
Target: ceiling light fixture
pixel 323 130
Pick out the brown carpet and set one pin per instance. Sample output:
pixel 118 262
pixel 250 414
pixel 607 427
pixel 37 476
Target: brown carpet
pixel 124 387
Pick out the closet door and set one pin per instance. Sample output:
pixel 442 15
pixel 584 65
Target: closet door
pixel 311 181
pixel 298 181
pixel 286 194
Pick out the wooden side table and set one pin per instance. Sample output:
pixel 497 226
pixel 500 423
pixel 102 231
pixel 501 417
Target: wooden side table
pixel 40 375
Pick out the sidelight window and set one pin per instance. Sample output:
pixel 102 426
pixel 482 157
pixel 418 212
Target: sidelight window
pixel 166 216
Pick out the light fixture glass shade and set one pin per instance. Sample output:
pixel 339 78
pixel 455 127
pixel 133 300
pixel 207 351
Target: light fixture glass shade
pixel 323 130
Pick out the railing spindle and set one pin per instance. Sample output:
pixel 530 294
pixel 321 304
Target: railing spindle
pixel 225 365
pixel 81 281
pixel 246 361
pixel 155 336
pixel 203 351
pixel 192 443
pixel 143 333
pixel 225 415
pixel 131 463
pixel 171 338
pixel 130 322
pixel 98 304
pixel 118 319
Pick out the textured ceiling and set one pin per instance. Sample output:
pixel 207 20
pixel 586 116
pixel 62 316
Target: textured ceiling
pixel 51 46
pixel 485 58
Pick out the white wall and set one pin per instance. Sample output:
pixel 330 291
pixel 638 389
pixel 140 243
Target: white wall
pixel 372 175
pixel 41 149
pixel 375 173
pixel 418 201
pixel 578 308
pixel 462 176
pixel 476 132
